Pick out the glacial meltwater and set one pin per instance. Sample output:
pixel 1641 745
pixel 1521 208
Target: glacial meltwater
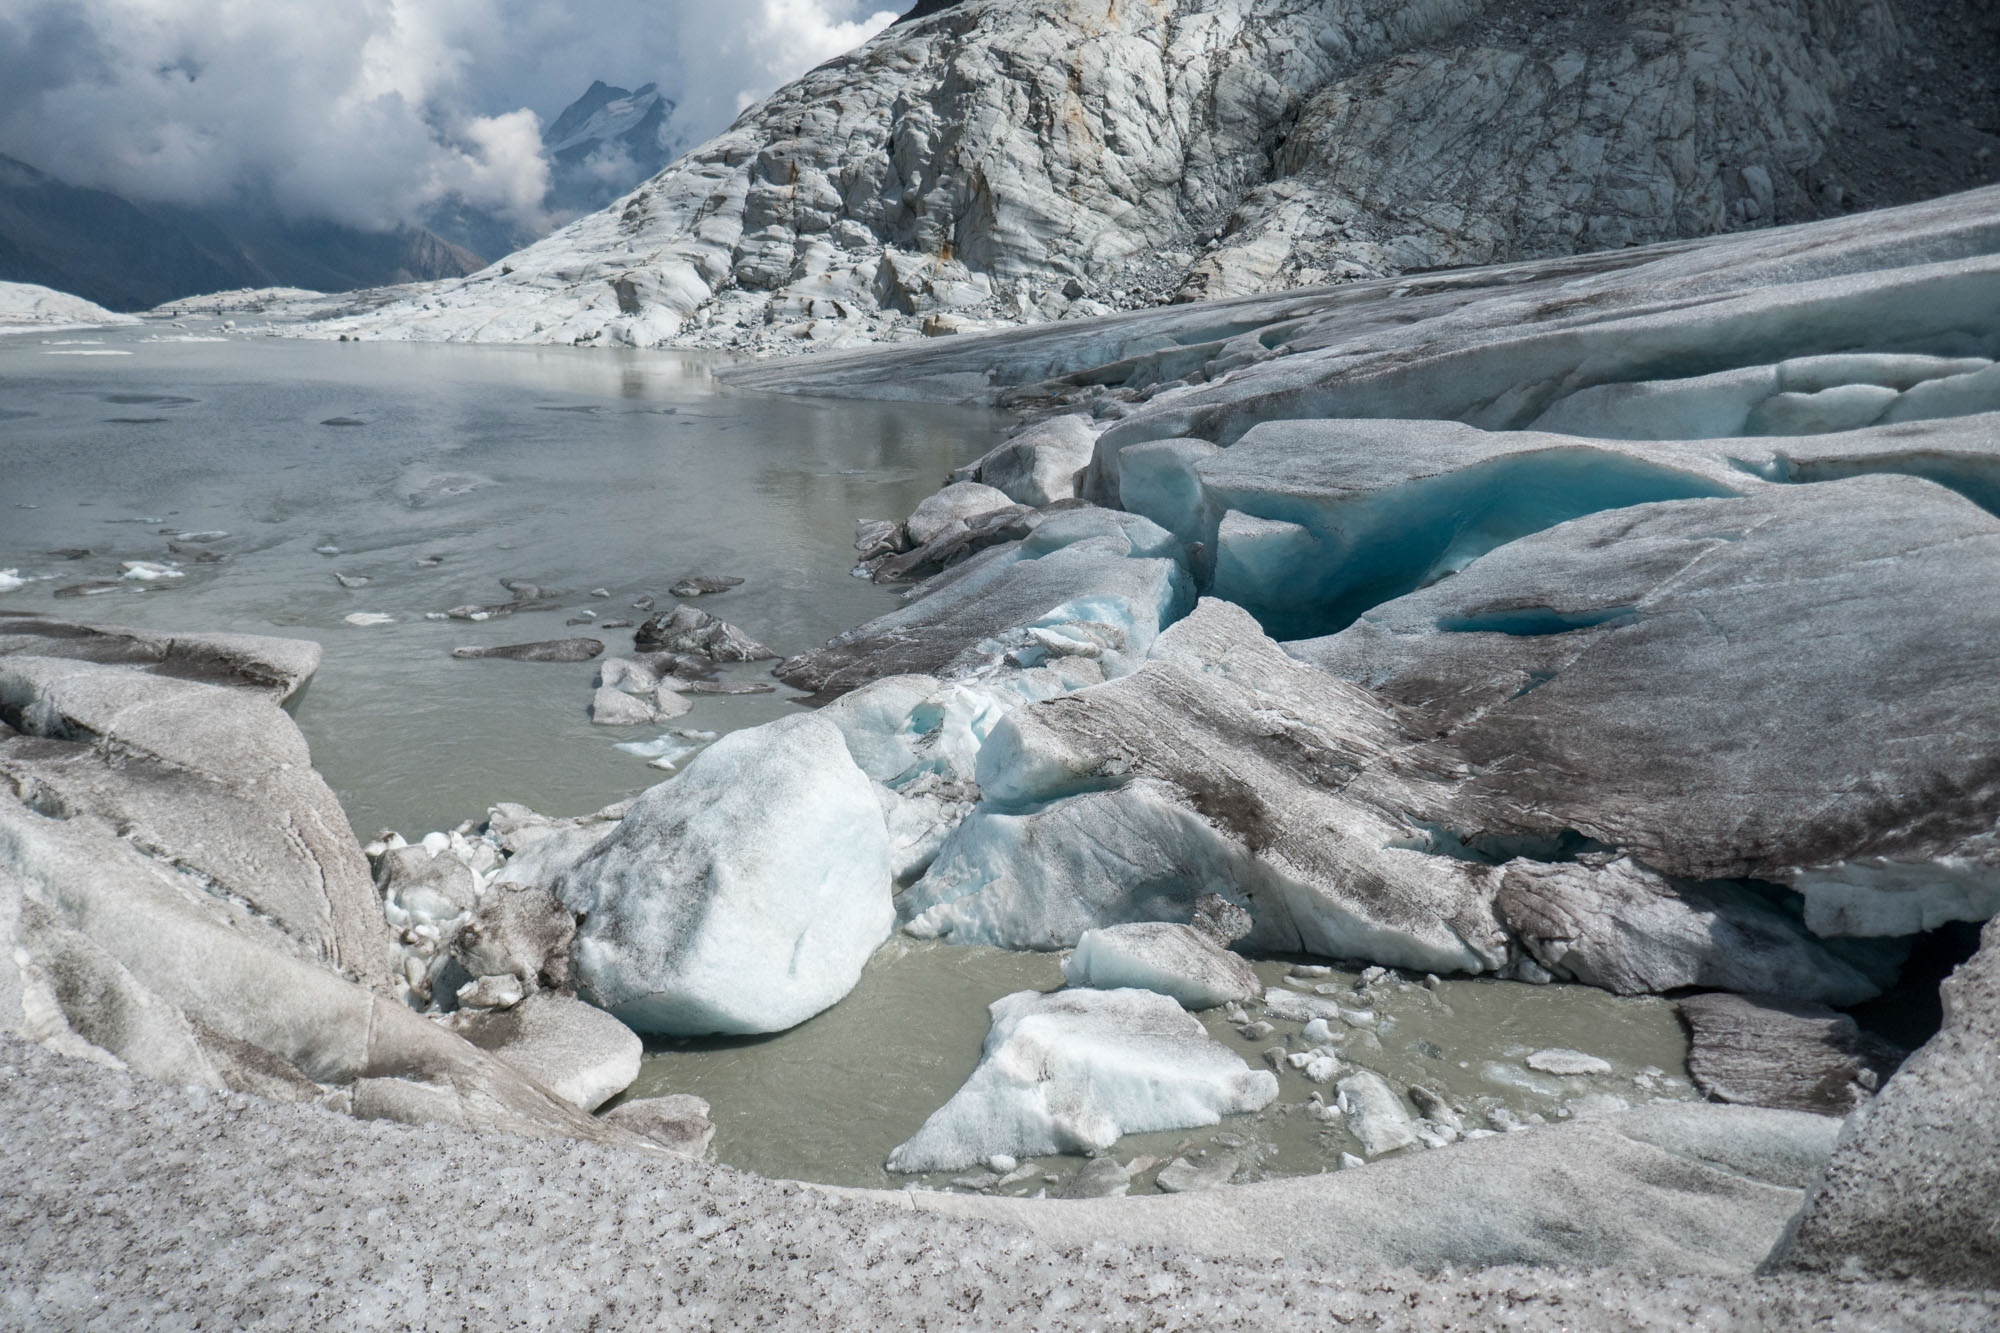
pixel 169 479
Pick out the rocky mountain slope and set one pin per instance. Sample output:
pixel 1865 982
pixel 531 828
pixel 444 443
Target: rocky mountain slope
pixel 995 162
pixel 131 256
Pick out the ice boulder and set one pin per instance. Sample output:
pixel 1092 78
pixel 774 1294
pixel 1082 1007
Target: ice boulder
pixel 961 502
pixel 743 896
pixel 1074 1071
pixel 1177 961
pixel 1039 466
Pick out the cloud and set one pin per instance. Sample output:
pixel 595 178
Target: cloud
pixel 366 111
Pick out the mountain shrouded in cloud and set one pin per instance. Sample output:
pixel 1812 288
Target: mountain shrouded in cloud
pixel 371 113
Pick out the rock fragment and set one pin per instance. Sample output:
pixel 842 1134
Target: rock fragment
pixel 550 650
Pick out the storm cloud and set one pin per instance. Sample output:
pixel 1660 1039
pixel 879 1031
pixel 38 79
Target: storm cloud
pixel 365 112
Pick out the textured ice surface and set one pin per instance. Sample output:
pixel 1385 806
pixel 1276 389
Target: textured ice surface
pixel 742 896
pixel 1074 1071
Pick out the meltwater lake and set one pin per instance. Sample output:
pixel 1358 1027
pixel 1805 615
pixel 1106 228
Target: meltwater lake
pixel 397 481
pixel 435 472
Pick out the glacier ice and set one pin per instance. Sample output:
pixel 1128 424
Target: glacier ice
pixel 1075 1071
pixel 1082 565
pixel 743 896
pixel 1217 767
pixel 1699 733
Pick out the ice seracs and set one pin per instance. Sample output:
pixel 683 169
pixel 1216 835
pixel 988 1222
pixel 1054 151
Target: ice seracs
pixel 1074 1071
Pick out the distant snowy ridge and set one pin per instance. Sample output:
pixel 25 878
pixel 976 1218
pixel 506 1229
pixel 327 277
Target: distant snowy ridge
pixel 1049 159
pixel 605 142
pixel 26 307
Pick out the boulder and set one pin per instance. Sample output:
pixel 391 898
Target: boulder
pixel 1757 1050
pixel 957 542
pixel 1076 1070
pixel 580 1053
pixel 1913 1189
pixel 1177 961
pixel 694 632
pixel 704 585
pixel 744 895
pixel 552 650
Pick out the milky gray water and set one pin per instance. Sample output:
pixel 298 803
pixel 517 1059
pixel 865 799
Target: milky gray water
pixel 576 470
pixel 452 468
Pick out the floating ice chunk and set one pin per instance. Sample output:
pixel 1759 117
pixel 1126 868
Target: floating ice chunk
pixel 1185 1175
pixel 1176 961
pixel 366 618
pixel 664 753
pixel 1376 1114
pixel 1073 1071
pixel 1296 1008
pixel 612 707
pixel 1568 1063
pixel 146 571
pixel 743 896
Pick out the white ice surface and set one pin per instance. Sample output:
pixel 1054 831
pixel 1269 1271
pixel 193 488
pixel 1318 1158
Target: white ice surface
pixel 1074 1071
pixel 1175 960
pixel 743 896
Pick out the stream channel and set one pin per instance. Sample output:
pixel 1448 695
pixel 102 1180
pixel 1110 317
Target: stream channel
pixel 435 472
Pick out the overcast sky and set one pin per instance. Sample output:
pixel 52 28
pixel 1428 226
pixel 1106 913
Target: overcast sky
pixel 364 111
